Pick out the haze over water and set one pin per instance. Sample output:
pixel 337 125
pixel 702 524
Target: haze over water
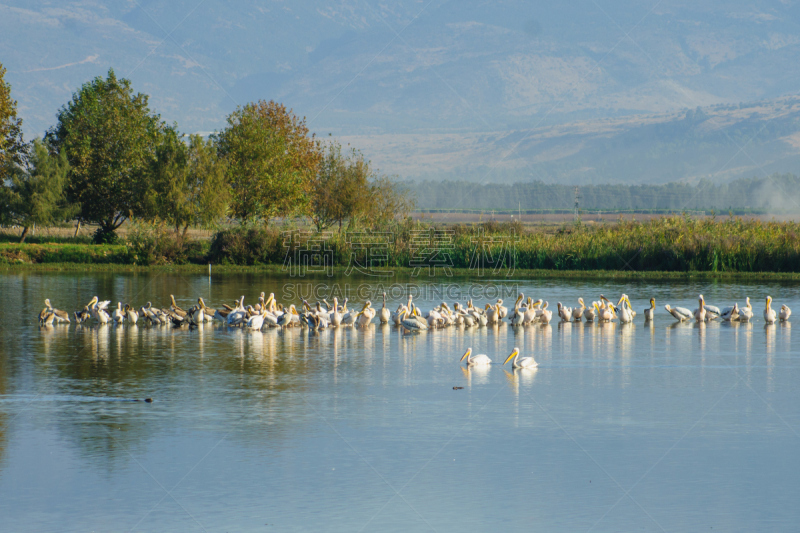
pixel 673 427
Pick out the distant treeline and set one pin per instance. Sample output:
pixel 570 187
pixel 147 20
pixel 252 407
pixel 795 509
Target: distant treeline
pixel 779 193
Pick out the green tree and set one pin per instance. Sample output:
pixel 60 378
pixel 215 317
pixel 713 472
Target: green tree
pixel 270 158
pixel 13 149
pixel 36 194
pixel 189 183
pixel 109 136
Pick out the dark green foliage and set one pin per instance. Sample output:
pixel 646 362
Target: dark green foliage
pixel 247 245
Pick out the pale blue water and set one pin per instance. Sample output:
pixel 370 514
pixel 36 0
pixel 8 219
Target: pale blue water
pixel 663 428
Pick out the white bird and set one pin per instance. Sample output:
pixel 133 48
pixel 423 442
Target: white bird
pixel 119 315
pixel 546 315
pixel 700 312
pixel 624 301
pixel 256 321
pixel 414 322
pixel 59 316
pixel 590 312
pixel 746 312
pixel 730 313
pixel 525 362
pixel 131 315
pixel 564 313
pixel 385 315
pixel 502 310
pixel 769 313
pixel 475 360
pixel 651 311
pixel 625 314
pixel 785 313
pixel 680 313
pixel 577 312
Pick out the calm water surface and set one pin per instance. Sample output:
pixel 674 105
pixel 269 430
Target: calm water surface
pixel 674 427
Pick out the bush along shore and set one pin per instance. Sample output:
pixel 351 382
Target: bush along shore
pixel 669 244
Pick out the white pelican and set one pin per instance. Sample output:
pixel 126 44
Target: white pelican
pixel 336 316
pixel 492 315
pixel 238 315
pixel 98 310
pixel 516 311
pixel 475 360
pixel 59 316
pixel 650 312
pixel 131 315
pixel 577 312
pixel 385 315
pixel 545 315
pixel 712 311
pixel 525 362
pixel 785 313
pixel 564 313
pixel 414 322
pixel 680 313
pixel 700 312
pixel 119 315
pixel 769 313
pixel 746 312
pixel 625 314
pixel 397 316
pixel 256 321
pixel 730 313
pixel 503 311
pixel 46 318
pixel 365 315
pixel 624 301
pixel 590 312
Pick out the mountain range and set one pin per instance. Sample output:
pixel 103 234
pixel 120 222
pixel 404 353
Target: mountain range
pixel 581 92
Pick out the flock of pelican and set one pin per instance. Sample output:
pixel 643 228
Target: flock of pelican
pixel 268 313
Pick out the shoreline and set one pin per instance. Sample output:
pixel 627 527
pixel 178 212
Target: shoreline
pixel 403 273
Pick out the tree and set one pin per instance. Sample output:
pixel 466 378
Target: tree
pixel 346 188
pixel 13 149
pixel 36 194
pixel 189 184
pixel 109 137
pixel 270 158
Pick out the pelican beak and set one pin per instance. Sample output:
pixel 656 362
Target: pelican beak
pixel 510 357
pixel 466 354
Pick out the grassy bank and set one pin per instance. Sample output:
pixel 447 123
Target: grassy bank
pixel 679 245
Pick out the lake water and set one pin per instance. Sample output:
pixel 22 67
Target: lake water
pixel 662 427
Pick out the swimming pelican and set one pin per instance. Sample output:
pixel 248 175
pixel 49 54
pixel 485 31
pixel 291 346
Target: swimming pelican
pixel 397 316
pixel 414 322
pixel 59 316
pixel 564 313
pixel 119 315
pixel 365 315
pixel 531 312
pixel 546 315
pixel 98 310
pixel 625 314
pixel 651 311
pixel 769 313
pixel 475 360
pixel 590 312
pixel 730 313
pixel 605 312
pixel 680 313
pixel 700 312
pixel 255 322
pixel 385 315
pixel 131 315
pixel 525 362
pixel 624 301
pixel 577 312
pixel 712 311
pixel 502 310
pixel 785 313
pixel 746 312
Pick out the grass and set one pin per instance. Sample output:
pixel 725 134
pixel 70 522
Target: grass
pixel 678 245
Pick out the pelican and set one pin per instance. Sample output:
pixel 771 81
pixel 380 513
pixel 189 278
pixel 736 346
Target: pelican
pixel 605 313
pixel 59 316
pixel 98 310
pixel 785 313
pixel 525 362
pixel 730 313
pixel 577 312
pixel 492 314
pixel 119 315
pixel 503 311
pixel 746 312
pixel 700 312
pixel 475 360
pixel 176 309
pixel 769 313
pixel 397 316
pixel 590 312
pixel 712 311
pixel 516 311
pixel 385 315
pixel 130 314
pixel 680 313
pixel 625 311
pixel 546 315
pixel 564 313
pixel 414 322
pixel 624 301
pixel 532 311
pixel 208 313
pixel 365 315
pixel 336 316
pixel 255 322
pixel 238 315
pixel 650 312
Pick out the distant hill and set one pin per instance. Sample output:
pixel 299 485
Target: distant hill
pixel 560 91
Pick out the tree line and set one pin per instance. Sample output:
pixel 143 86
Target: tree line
pixel 776 193
pixel 109 159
